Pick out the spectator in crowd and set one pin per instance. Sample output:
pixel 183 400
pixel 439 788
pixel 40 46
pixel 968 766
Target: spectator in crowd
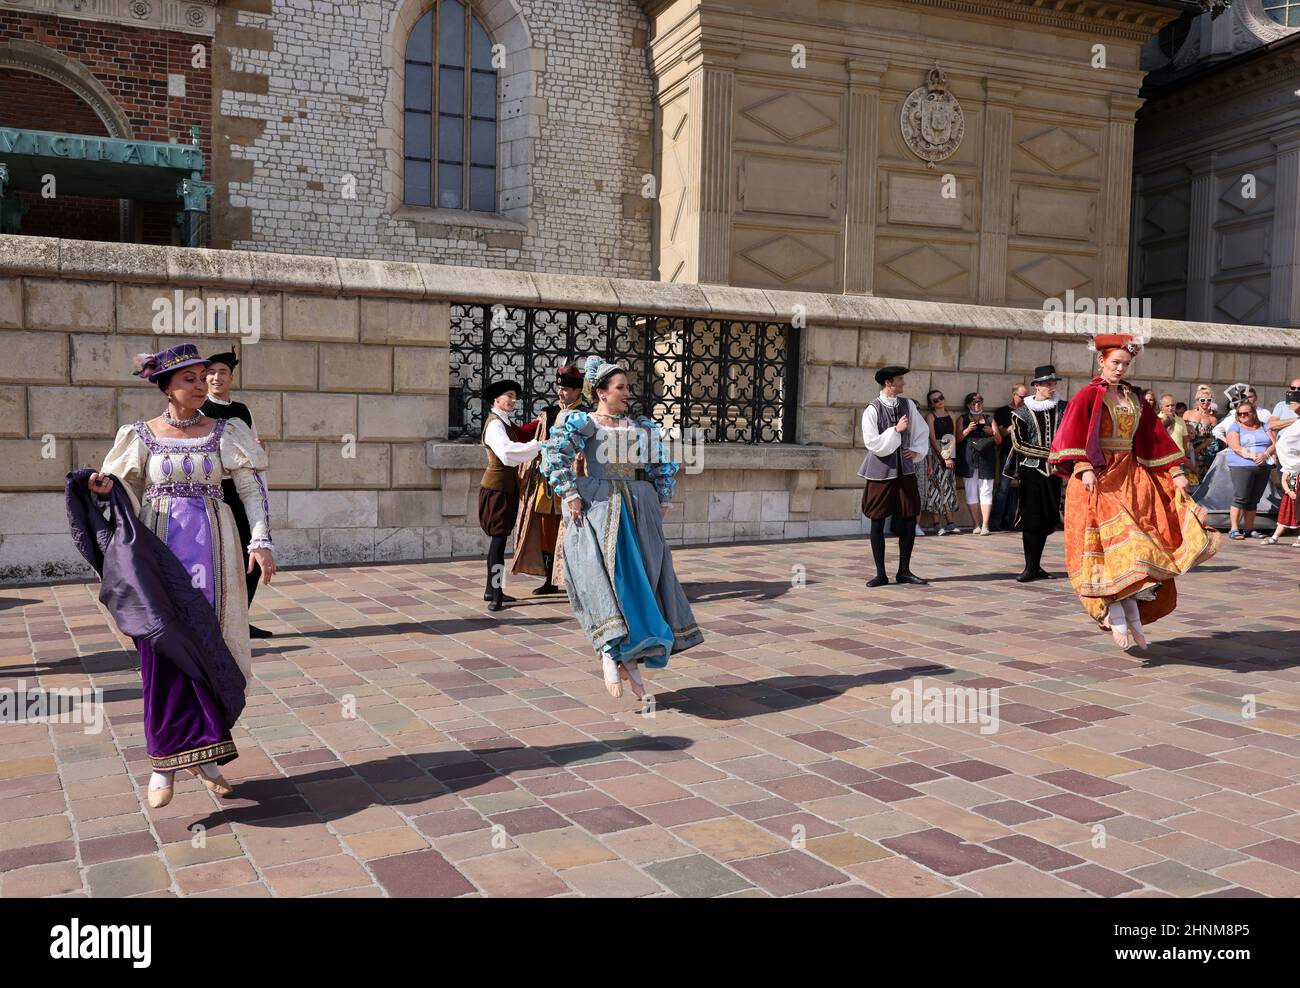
pixel 1177 429
pixel 1006 498
pixel 1287 444
pixel 1250 447
pixel 1180 409
pixel 1200 419
pixel 978 439
pixel 940 498
pixel 1284 413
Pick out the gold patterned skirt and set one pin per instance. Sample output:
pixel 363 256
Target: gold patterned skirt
pixel 1131 537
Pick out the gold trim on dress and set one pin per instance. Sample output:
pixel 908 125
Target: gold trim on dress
pixel 195 756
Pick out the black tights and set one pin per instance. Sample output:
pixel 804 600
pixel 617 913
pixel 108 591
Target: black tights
pixel 905 529
pixel 1034 543
pixel 496 564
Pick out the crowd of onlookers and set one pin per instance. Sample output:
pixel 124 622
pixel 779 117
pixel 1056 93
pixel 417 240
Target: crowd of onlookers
pixel 969 448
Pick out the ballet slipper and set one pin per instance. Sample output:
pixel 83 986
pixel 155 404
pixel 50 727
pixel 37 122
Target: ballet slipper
pixel 218 786
pixel 159 797
pixel 613 685
pixel 1121 638
pixel 1138 636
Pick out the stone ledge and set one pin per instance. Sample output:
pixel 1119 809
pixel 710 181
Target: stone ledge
pixel 92 261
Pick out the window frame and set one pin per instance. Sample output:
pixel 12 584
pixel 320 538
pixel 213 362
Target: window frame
pixel 466 115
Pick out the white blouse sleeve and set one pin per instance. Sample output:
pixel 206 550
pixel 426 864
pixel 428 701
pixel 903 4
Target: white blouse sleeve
pixel 918 434
pixel 882 444
pixel 509 452
pixel 127 461
pixel 245 461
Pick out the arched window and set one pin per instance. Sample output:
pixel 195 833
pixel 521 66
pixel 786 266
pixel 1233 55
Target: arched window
pixel 1284 11
pixel 450 136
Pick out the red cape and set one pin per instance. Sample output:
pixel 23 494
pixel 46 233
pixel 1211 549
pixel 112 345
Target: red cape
pixel 1079 435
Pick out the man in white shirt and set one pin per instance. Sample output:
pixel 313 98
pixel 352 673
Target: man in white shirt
pixel 897 439
pixel 1282 415
pixel 508 447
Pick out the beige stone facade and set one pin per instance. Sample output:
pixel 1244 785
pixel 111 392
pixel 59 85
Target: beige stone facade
pixel 1216 231
pixel 348 384
pixel 785 159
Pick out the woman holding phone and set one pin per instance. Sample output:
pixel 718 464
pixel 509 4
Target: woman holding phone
pixel 977 460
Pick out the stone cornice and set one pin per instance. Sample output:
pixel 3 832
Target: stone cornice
pixel 183 16
pixel 1134 20
pixel 83 260
pixel 1259 70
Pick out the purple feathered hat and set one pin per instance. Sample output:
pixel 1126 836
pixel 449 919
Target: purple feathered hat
pixel 150 366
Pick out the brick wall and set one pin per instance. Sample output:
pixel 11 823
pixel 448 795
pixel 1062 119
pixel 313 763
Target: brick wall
pixel 133 65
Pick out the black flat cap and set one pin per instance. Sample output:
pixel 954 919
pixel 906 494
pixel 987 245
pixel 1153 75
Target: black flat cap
pixel 497 388
pixel 885 373
pixel 228 358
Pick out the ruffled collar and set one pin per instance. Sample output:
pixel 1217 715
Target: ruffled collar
pixel 1034 405
pixel 219 401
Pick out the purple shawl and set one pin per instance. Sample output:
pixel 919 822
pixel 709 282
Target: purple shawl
pixel 150 594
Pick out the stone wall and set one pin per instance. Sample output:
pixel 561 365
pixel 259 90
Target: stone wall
pixel 352 358
pixel 309 100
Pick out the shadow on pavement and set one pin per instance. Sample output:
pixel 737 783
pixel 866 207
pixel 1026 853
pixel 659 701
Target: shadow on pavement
pixel 751 699
pixel 1233 651
pixel 707 593
pixel 340 791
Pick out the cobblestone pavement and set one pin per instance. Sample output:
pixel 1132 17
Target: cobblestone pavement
pixel 485 757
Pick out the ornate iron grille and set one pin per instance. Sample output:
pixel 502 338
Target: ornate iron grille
pixel 736 380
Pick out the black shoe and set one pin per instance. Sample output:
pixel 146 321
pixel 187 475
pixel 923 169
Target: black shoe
pixel 1027 576
pixel 255 632
pixel 878 581
pixel 1042 574
pixel 546 588
pixel 487 594
pixel 910 578
pixel 498 604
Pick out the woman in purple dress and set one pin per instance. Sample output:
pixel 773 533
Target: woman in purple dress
pixel 172 468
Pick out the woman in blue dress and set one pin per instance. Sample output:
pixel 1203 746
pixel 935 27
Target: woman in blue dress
pixel 617 566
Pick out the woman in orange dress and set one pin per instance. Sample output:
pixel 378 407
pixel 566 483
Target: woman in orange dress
pixel 1130 526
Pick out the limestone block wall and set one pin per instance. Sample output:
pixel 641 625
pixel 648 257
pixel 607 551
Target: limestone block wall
pixel 348 382
pixel 309 121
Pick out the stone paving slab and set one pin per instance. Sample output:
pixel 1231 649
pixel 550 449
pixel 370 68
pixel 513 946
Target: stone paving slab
pixel 401 741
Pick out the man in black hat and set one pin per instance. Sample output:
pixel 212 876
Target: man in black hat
pixel 219 405
pixel 1033 426
pixel 540 510
pixel 508 448
pixel 897 440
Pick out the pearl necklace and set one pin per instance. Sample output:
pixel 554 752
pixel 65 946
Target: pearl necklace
pixel 183 423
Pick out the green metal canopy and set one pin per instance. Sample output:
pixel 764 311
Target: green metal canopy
pixel 108 167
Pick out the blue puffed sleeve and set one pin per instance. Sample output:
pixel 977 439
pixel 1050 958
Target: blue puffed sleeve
pixel 568 439
pixel 661 471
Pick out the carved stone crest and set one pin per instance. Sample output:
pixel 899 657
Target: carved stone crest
pixel 932 120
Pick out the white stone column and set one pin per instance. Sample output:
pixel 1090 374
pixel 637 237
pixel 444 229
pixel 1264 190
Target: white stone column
pixel 1200 239
pixel 1117 201
pixel 860 206
pixel 711 113
pixel 995 190
pixel 1136 280
pixel 1284 303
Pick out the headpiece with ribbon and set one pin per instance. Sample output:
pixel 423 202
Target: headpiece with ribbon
pixel 596 370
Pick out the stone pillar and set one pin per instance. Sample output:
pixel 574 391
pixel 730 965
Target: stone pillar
pixel 1136 278
pixel 1116 202
pixel 1284 304
pixel 995 190
pixel 711 108
pixel 860 209
pixel 1200 239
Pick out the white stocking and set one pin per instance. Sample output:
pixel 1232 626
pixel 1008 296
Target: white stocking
pixel 1132 614
pixel 210 770
pixel 160 780
pixel 1118 621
